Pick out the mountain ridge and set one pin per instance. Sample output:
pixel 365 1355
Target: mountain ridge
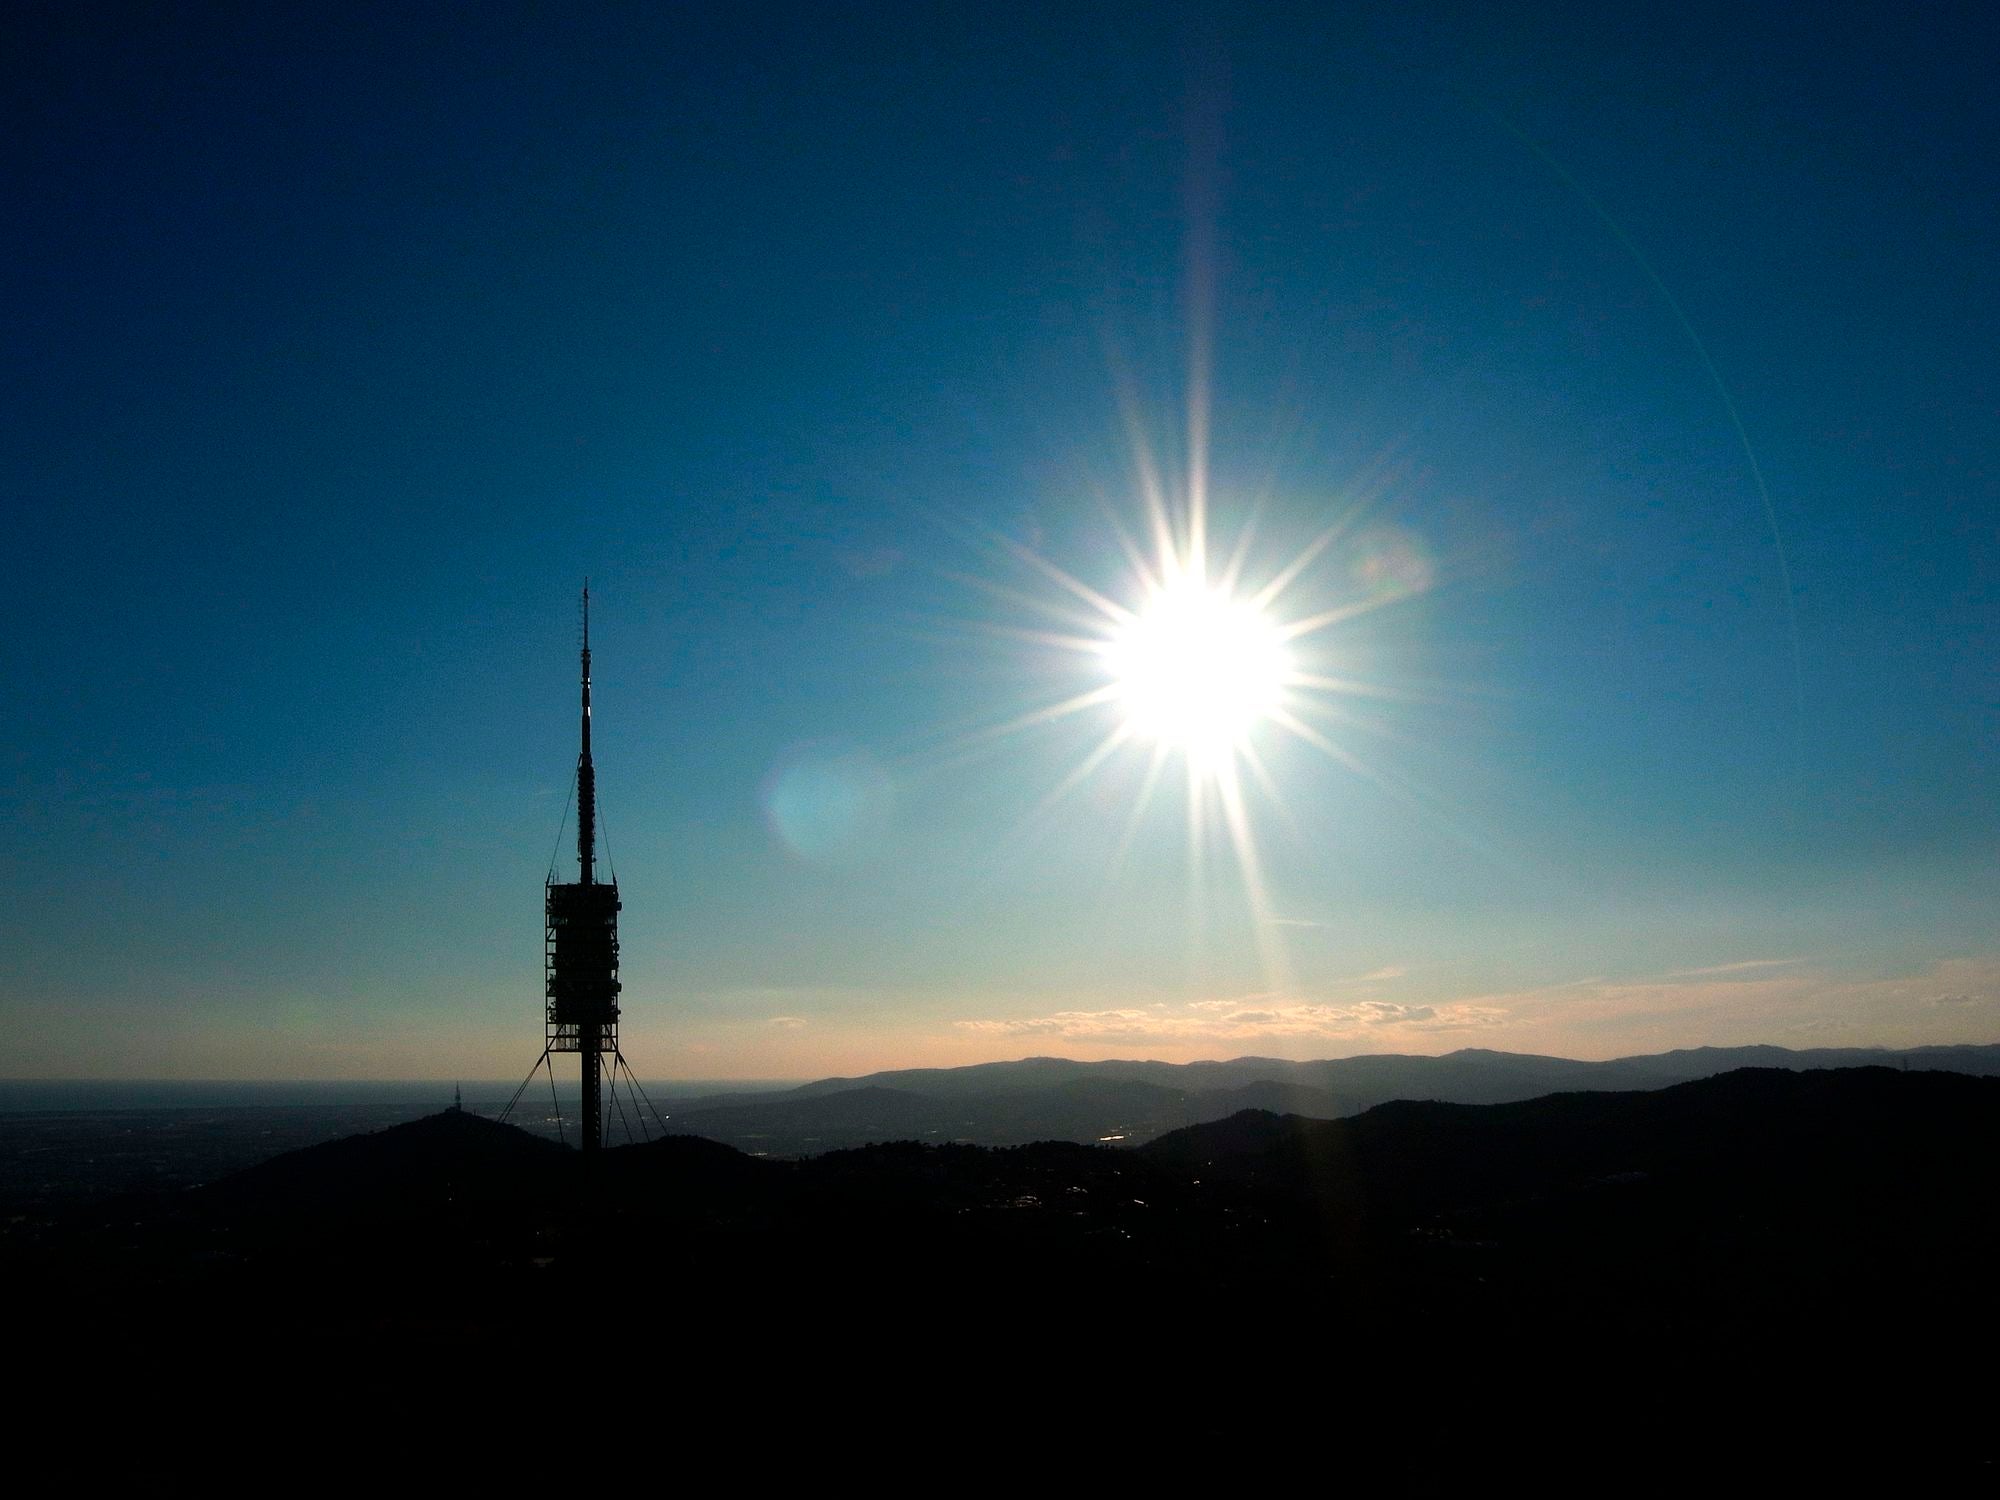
pixel 1136 1100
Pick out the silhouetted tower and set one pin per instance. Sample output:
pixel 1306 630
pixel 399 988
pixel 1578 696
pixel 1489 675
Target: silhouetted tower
pixel 580 966
pixel 580 940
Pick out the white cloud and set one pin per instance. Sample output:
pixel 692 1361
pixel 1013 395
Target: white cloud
pixel 1753 1000
pixel 1236 1021
pixel 1743 966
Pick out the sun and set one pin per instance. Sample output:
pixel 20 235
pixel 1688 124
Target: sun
pixel 1203 658
pixel 1195 670
pixel 1203 661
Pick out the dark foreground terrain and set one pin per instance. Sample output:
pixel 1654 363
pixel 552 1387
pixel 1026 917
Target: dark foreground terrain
pixel 1802 1263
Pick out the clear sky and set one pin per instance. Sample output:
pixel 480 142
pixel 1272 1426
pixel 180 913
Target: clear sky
pixel 1644 362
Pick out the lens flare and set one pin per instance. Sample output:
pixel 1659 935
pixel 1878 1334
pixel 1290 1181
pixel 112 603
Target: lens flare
pixel 828 803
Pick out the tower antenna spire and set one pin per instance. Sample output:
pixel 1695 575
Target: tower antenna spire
pixel 586 773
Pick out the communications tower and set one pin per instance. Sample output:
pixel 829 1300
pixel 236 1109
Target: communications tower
pixel 580 955
pixel 580 940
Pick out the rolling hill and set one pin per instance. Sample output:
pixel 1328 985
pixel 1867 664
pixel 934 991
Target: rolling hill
pixel 1049 1098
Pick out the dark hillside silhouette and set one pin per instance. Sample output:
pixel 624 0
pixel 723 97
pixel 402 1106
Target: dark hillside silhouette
pixel 451 1153
pixel 1764 1224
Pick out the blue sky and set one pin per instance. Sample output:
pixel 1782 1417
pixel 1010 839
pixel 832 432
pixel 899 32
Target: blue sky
pixel 343 344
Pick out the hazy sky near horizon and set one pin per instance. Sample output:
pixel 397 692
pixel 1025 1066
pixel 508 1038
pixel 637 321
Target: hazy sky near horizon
pixel 1647 358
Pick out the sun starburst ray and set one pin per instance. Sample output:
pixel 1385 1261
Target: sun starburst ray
pixel 1200 651
pixel 1338 615
pixel 1328 711
pixel 1197 478
pixel 1084 645
pixel 1135 557
pixel 1055 609
pixel 1270 948
pixel 1047 714
pixel 1428 807
pixel 1354 687
pixel 1261 774
pixel 1148 785
pixel 1268 595
pixel 1232 570
pixel 1083 769
pixel 1197 849
pixel 1110 609
pixel 1286 719
pixel 1152 493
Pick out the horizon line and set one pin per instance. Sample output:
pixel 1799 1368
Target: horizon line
pixel 445 1079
